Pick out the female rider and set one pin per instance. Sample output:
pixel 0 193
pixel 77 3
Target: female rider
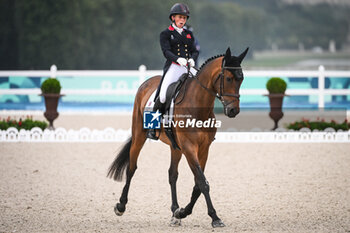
pixel 179 49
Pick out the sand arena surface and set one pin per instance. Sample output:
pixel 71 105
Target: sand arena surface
pixel 62 187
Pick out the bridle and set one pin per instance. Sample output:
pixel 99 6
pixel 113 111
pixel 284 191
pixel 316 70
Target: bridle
pixel 221 77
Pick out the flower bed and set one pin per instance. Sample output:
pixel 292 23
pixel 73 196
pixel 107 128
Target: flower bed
pixel 318 125
pixel 26 124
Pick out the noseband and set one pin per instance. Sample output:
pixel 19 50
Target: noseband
pixel 221 94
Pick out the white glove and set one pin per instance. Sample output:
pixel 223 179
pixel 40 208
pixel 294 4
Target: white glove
pixel 191 61
pixel 182 61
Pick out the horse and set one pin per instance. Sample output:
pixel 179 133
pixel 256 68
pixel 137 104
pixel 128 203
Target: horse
pixel 219 77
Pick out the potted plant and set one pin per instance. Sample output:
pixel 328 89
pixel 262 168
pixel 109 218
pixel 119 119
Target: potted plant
pixel 276 87
pixel 51 89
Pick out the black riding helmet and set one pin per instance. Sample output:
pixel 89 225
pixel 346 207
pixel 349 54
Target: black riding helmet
pixel 179 9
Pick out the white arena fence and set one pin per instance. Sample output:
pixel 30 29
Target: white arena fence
pixel 142 73
pixel 111 135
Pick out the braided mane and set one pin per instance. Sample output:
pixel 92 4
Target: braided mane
pixel 209 60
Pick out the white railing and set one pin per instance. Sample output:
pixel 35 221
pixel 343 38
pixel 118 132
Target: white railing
pixel 142 73
pixel 321 74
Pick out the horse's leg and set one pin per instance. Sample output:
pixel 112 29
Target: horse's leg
pixel 173 174
pixel 138 139
pixel 184 212
pixel 203 185
pixel 135 149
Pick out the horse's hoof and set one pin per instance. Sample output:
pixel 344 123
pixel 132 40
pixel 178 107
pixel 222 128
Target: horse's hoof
pixel 218 223
pixel 117 211
pixel 174 222
pixel 179 213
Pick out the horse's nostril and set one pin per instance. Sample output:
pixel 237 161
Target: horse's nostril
pixel 233 112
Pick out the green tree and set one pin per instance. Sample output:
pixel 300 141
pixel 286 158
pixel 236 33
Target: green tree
pixel 123 34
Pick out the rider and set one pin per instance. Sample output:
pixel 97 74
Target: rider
pixel 196 42
pixel 178 47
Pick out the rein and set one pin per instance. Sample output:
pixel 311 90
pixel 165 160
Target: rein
pixel 221 77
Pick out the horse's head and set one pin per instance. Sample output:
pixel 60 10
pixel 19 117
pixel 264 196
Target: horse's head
pixel 229 81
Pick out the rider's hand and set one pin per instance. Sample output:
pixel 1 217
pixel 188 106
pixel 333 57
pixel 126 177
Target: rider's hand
pixel 182 61
pixel 191 61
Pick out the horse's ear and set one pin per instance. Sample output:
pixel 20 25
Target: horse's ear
pixel 228 54
pixel 241 57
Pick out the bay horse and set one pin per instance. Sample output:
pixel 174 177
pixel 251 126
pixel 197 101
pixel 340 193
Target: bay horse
pixel 219 77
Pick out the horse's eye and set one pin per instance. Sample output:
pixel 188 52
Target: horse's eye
pixel 229 79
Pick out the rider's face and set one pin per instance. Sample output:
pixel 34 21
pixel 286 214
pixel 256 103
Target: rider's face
pixel 180 20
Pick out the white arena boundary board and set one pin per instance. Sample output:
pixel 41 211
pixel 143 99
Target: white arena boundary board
pixel 112 135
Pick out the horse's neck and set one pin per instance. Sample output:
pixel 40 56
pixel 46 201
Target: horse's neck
pixel 199 96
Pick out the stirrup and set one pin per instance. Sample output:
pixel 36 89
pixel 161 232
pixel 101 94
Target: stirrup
pixel 152 134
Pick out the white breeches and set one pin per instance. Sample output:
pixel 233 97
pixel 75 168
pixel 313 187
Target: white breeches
pixel 172 75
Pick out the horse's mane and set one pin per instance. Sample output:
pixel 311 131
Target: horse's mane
pixel 183 90
pixel 209 60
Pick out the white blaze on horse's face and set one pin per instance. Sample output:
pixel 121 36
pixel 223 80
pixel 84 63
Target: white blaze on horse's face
pixel 180 20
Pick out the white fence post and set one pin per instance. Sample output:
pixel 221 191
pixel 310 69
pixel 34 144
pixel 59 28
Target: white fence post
pixel 53 70
pixel 142 75
pixel 321 86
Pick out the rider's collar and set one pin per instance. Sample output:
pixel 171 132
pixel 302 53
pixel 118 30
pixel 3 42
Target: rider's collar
pixel 179 30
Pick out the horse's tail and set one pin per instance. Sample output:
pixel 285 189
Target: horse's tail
pixel 116 170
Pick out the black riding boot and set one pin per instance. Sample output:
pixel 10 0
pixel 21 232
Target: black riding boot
pixel 151 133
